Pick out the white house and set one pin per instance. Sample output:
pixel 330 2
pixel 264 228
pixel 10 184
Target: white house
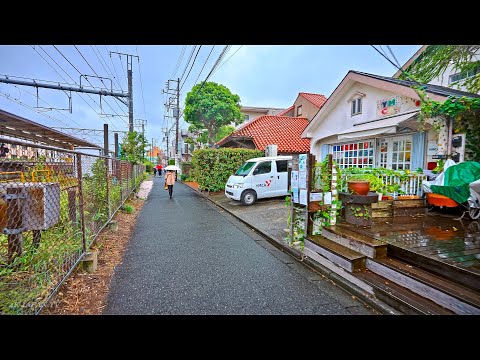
pixel 451 77
pixel 371 121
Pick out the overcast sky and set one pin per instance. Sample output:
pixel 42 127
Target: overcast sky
pixel 266 76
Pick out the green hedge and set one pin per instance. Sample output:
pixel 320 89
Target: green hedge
pixel 186 168
pixel 212 167
pixel 171 162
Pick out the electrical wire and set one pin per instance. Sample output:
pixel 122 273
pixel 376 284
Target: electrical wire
pixel 87 79
pixel 191 67
pixel 114 68
pixel 80 94
pixel 141 83
pixel 83 57
pixel 188 62
pixel 180 58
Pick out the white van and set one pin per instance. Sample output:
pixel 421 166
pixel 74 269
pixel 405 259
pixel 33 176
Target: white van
pixel 259 178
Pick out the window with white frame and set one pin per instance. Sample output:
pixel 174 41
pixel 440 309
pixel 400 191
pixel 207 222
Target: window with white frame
pixel 247 117
pixel 395 152
pixel 463 75
pixel 354 154
pixel 356 106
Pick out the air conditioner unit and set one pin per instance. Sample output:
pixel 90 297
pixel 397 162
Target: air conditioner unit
pixel 271 150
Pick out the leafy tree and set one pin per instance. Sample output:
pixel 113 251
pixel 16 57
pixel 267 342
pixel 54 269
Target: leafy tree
pixel 210 107
pixel 224 131
pixel 133 147
pixel 463 112
pixel 435 60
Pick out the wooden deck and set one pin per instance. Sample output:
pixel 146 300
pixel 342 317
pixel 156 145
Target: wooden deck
pixel 436 239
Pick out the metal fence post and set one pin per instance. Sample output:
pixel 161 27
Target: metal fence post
pixel 108 187
pixel 80 201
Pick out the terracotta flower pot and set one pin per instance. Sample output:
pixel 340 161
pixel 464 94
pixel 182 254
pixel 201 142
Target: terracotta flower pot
pixel 358 187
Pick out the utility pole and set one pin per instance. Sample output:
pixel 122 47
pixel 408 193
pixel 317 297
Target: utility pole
pixel 173 102
pixel 130 86
pixel 142 123
pixel 177 110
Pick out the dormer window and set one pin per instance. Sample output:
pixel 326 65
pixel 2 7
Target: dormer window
pixel 299 110
pixel 356 106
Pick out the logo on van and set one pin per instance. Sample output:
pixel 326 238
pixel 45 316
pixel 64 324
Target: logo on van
pixel 267 184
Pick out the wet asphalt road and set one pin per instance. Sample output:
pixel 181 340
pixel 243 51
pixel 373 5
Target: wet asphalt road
pixel 187 256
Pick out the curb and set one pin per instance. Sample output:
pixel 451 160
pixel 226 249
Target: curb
pixel 366 298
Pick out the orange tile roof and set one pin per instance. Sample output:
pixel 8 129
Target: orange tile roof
pixel 316 99
pixel 285 111
pixel 284 131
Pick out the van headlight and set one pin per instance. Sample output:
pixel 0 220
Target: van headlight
pixel 237 186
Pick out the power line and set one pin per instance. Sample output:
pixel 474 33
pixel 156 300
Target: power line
pixel 114 68
pixel 188 62
pixel 106 102
pixel 81 97
pixel 205 63
pixel 191 67
pixel 102 61
pixel 391 52
pixel 87 79
pixel 141 82
pixel 179 61
pixel 30 107
pixel 230 57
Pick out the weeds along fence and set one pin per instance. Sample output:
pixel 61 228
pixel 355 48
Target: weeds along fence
pixel 53 204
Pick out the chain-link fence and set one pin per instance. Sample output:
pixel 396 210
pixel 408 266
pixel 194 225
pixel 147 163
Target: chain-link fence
pixel 53 204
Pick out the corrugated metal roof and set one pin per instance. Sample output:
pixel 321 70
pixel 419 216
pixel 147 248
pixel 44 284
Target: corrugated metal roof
pixel 21 128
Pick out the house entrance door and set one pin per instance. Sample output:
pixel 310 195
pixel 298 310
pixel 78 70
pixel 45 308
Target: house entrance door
pixel 394 152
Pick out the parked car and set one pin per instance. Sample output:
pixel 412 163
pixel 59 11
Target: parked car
pixel 259 178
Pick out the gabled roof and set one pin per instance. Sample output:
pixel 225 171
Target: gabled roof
pixel 401 87
pixel 434 89
pixel 284 131
pixel 316 99
pixel 286 111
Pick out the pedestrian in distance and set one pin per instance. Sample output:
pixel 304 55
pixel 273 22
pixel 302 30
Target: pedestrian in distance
pixel 154 171
pixel 170 180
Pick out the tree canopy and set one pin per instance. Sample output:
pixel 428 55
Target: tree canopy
pixel 133 147
pixel 463 111
pixel 211 107
pixel 436 59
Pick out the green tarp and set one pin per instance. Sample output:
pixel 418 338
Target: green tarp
pixel 457 181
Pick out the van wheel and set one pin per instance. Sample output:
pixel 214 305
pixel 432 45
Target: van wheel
pixel 248 197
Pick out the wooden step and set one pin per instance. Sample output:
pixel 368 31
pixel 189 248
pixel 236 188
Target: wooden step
pixel 399 297
pixel 358 242
pixel 446 293
pixel 348 259
pixel 462 276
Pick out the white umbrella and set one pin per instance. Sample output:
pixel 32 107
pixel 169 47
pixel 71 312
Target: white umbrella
pixel 172 167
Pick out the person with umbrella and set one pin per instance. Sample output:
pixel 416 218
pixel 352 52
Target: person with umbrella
pixel 170 178
pixel 159 169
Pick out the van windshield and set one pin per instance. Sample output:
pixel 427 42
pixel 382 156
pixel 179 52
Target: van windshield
pixel 245 168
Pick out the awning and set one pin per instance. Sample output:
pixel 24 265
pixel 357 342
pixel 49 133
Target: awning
pixel 376 127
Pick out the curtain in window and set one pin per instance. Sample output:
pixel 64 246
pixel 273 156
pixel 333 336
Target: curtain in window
pixel 323 152
pixel 418 150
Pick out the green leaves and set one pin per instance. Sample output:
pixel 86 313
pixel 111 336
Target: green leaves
pixel 211 107
pixel 213 167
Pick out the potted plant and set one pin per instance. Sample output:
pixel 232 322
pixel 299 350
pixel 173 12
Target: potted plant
pixel 358 184
pixel 376 184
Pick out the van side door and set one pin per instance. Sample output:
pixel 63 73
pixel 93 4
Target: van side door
pixel 263 180
pixel 281 178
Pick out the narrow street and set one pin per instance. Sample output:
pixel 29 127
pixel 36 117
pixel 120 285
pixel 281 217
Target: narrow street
pixel 188 256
